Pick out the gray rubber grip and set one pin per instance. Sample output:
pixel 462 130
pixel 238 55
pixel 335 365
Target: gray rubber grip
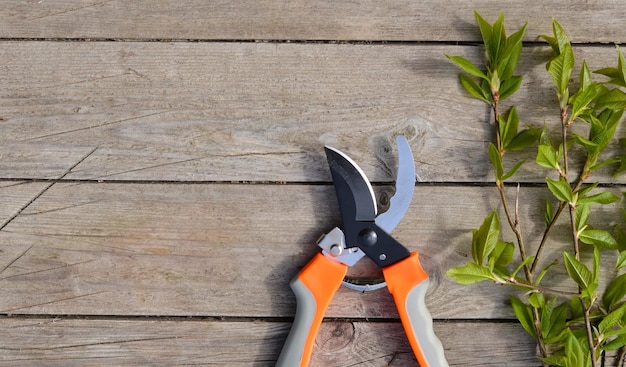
pixel 422 325
pixel 293 350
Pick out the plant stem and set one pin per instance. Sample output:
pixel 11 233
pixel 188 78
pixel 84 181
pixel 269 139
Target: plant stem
pixel 621 357
pixel 565 123
pixel 546 233
pixel 535 288
pixel 592 349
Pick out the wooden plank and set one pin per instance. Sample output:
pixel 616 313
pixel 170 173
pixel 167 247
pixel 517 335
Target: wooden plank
pixel 16 195
pixel 232 112
pixel 93 342
pixel 230 250
pixel 398 20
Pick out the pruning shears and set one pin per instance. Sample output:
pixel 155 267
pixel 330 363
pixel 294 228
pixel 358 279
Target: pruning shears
pixel 364 233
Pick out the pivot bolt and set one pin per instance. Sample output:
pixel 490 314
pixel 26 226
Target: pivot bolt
pixel 336 250
pixel 368 237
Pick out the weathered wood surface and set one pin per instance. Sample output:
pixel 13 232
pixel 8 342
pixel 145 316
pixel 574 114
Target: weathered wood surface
pixel 397 20
pixel 158 196
pixel 229 250
pixel 252 112
pixel 137 342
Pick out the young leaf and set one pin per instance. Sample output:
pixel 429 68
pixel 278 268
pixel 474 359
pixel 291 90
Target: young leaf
pixel 598 237
pixel 467 66
pixel 614 99
pixel 614 292
pixel 612 320
pixel 496 161
pixel 579 272
pixel 524 138
pixel 547 157
pixel 601 198
pixel 513 170
pixel 560 68
pixel 511 54
pixel 621 261
pixel 470 273
pixel 544 272
pixel 581 216
pixel 537 300
pixel 549 214
pixel 473 89
pixel 560 189
pixel 502 254
pixel 509 86
pixel 519 267
pixel 485 238
pixel 508 127
pixel 524 314
pixel 617 75
pixel 553 320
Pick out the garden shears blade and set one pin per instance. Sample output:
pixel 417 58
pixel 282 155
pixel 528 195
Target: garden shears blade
pixel 364 233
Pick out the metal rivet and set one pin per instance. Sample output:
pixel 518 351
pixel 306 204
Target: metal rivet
pixel 382 257
pixel 336 250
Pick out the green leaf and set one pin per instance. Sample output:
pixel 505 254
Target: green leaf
pixel 617 75
pixel 612 320
pixel 585 76
pixel 524 138
pixel 616 343
pixel 615 292
pixel 576 351
pixel 502 254
pixel 547 157
pixel 513 170
pixel 560 68
pixel 601 198
pixel 527 261
pixel 560 189
pixel 512 53
pixel 467 66
pixel 621 261
pixel 508 127
pixel 579 272
pixel 581 216
pixel 485 31
pixel 544 272
pixel 583 98
pixel 473 89
pixel 485 238
pixel 614 99
pixel 549 214
pixel 553 320
pixel 496 161
pixel 537 300
pixel 509 86
pixel 524 314
pixel 470 273
pixel 598 237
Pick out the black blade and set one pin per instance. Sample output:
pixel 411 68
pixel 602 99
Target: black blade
pixel 357 206
pixel 354 192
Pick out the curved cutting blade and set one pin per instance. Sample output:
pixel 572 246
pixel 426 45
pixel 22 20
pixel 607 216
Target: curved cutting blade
pixel 354 191
pixel 405 184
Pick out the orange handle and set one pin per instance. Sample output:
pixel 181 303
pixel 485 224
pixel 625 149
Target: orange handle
pixel 314 287
pixel 408 282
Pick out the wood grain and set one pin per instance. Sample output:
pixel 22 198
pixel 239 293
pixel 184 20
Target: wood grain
pixel 96 342
pixel 230 250
pixel 398 20
pixel 232 112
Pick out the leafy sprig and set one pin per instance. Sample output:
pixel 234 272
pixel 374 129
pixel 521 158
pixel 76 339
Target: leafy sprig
pixel 572 328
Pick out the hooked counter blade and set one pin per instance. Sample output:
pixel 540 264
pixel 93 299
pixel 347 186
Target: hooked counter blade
pixel 405 184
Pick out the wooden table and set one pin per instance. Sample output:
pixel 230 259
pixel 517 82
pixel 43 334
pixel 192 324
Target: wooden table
pixel 162 173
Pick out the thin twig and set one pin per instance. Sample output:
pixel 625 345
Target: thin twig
pixel 544 290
